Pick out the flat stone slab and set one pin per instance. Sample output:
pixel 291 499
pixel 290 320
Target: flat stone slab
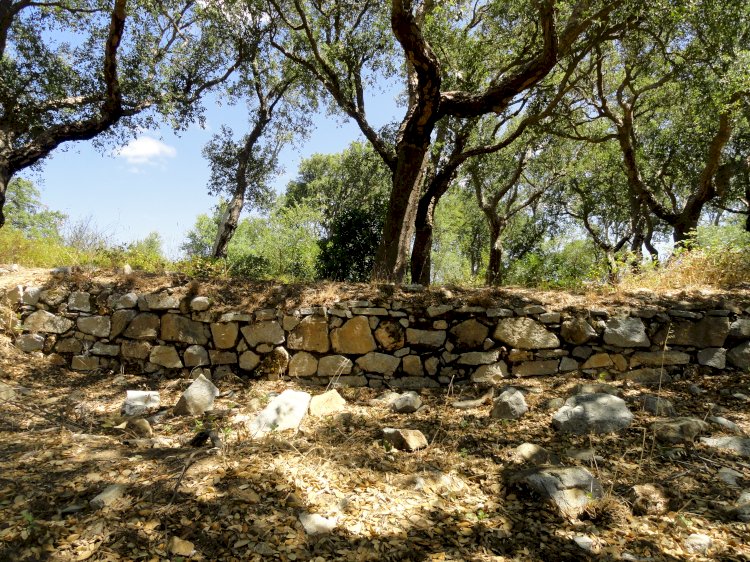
pixel 592 413
pixel 570 489
pixel 283 412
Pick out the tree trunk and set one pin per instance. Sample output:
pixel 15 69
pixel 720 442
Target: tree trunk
pixel 496 254
pixel 5 176
pixel 392 256
pixel 421 253
pixel 230 218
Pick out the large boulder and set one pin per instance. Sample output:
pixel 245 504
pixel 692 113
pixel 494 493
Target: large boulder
pixel 182 329
pixel 740 356
pixel 380 363
pixel 712 331
pixel 470 334
pixel 354 336
pixel 43 321
pixel 311 334
pixel 525 333
pixel 390 335
pixel 592 413
pixel 626 332
pixel 577 331
pixel 269 332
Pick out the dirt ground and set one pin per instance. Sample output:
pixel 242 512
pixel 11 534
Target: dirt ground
pixel 61 444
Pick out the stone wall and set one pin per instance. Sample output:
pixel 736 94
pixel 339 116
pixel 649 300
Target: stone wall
pixel 389 341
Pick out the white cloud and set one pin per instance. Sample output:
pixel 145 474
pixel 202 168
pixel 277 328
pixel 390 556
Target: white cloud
pixel 145 150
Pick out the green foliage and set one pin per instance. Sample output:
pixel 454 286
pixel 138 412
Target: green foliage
pixel 566 264
pixel 26 213
pixel 348 253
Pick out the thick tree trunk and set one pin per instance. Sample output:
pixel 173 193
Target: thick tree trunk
pixel 230 218
pixel 495 263
pixel 392 256
pixel 421 253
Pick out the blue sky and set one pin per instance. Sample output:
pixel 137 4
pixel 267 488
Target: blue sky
pixel 157 182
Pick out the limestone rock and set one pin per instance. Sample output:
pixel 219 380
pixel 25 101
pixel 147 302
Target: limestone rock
pixel 30 342
pixel 570 489
pixel 740 328
pixel 107 350
pixel 249 361
pixel 224 334
pixel 354 337
pixel 84 363
pixel 327 403
pixel 43 321
pixel 479 357
pixel 510 405
pixel 715 357
pixel 525 333
pixel 536 368
pixel 274 365
pixel 738 445
pixel 69 345
pixel 380 363
pixel 79 301
pixel 390 335
pixel 285 411
pixel 657 405
pixel 598 361
pixel 577 331
pixel 626 332
pixel 120 320
pixel 592 413
pixel 303 364
pixel 200 304
pixel 198 398
pixel 165 356
pixel 263 332
pixel 470 334
pixel 659 358
pixel 311 334
pixel 175 327
pixel 412 365
pixel 161 301
pixel 646 376
pixel 180 547
pixel 135 349
pixel 679 430
pixel 491 374
pixel 219 357
pixel 712 331
pixel 740 356
pixel 128 300
pixel 195 356
pixel 404 439
pixel 144 326
pixel 426 338
pixel 95 325
pixel 138 402
pixel 108 496
pixel 407 403
pixel 649 499
pixel 334 365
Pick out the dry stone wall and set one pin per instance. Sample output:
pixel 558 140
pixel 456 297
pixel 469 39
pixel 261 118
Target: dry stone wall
pixel 390 342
